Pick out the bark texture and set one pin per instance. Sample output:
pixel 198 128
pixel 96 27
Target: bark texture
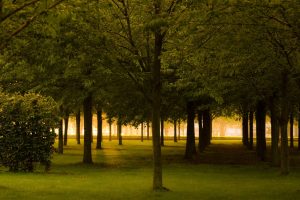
pixel 274 135
pixel 175 130
pixel 162 137
pixel 60 137
pixel 245 128
pixel 99 129
pixel 119 132
pixel 87 112
pixel 66 120
pixel 251 117
pixel 190 149
pixel 261 130
pixel 291 130
pixel 201 142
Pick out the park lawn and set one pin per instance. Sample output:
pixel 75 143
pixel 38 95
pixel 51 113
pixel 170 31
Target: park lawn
pixel 124 172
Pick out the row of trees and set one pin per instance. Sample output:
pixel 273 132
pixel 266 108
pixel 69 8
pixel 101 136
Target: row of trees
pixel 157 60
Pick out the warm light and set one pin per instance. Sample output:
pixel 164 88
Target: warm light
pixel 222 127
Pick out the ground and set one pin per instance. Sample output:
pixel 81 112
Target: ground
pixel 226 170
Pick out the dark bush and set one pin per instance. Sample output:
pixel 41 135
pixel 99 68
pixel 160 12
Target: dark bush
pixel 25 131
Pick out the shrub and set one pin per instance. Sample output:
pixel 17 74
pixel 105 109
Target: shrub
pixel 25 131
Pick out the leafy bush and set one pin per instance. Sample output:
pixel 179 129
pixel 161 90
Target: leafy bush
pixel 25 131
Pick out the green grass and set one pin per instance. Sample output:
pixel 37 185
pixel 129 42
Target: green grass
pixel 125 172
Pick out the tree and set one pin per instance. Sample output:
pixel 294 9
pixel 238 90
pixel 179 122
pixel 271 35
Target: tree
pixel 25 131
pixel 70 64
pixel 261 130
pixel 142 132
pixel 131 39
pixel 30 10
pixel 119 132
pixel 162 137
pixel 66 122
pixel 78 126
pixel 88 129
pixel 99 129
pixel 291 130
pixel 190 144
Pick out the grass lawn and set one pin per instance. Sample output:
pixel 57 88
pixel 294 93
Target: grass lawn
pixel 125 172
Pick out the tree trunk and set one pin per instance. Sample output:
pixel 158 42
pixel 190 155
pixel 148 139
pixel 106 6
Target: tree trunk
pixel 66 120
pixel 99 129
pixel 78 127
pixel 284 149
pixel 119 132
pixel 88 118
pixel 60 137
pixel 201 143
pixel 178 129
pixel 251 116
pixel 210 129
pixel 261 130
pixel 162 137
pixel 283 127
pixel 274 134
pixel 245 127
pixel 109 125
pixel 206 127
pixel 142 132
pixel 190 149
pixel 291 131
pixel 148 131
pixel 175 130
pixel 156 104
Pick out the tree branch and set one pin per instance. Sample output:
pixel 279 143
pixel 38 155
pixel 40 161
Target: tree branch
pixel 134 79
pixel 28 22
pixel 17 10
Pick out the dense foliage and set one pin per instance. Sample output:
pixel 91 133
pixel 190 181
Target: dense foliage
pixel 25 131
pixel 142 61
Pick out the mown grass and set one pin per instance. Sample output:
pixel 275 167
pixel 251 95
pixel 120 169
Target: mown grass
pixel 125 172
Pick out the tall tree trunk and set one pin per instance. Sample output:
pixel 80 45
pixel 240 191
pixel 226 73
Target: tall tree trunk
pixel 179 130
pixel 274 134
pixel 206 127
pixel 148 131
pixel 119 132
pixel 175 130
pixel 88 118
pixel 162 137
pixel 190 149
pixel 60 137
pixel 78 126
pixel 99 129
pixel 251 116
pixel 283 127
pixel 66 120
pixel 284 148
pixel 291 130
pixel 210 128
pixel 142 132
pixel 245 127
pixel 109 125
pixel 156 103
pixel 261 130
pixel 201 143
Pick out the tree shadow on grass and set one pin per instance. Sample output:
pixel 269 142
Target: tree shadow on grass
pixel 2 187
